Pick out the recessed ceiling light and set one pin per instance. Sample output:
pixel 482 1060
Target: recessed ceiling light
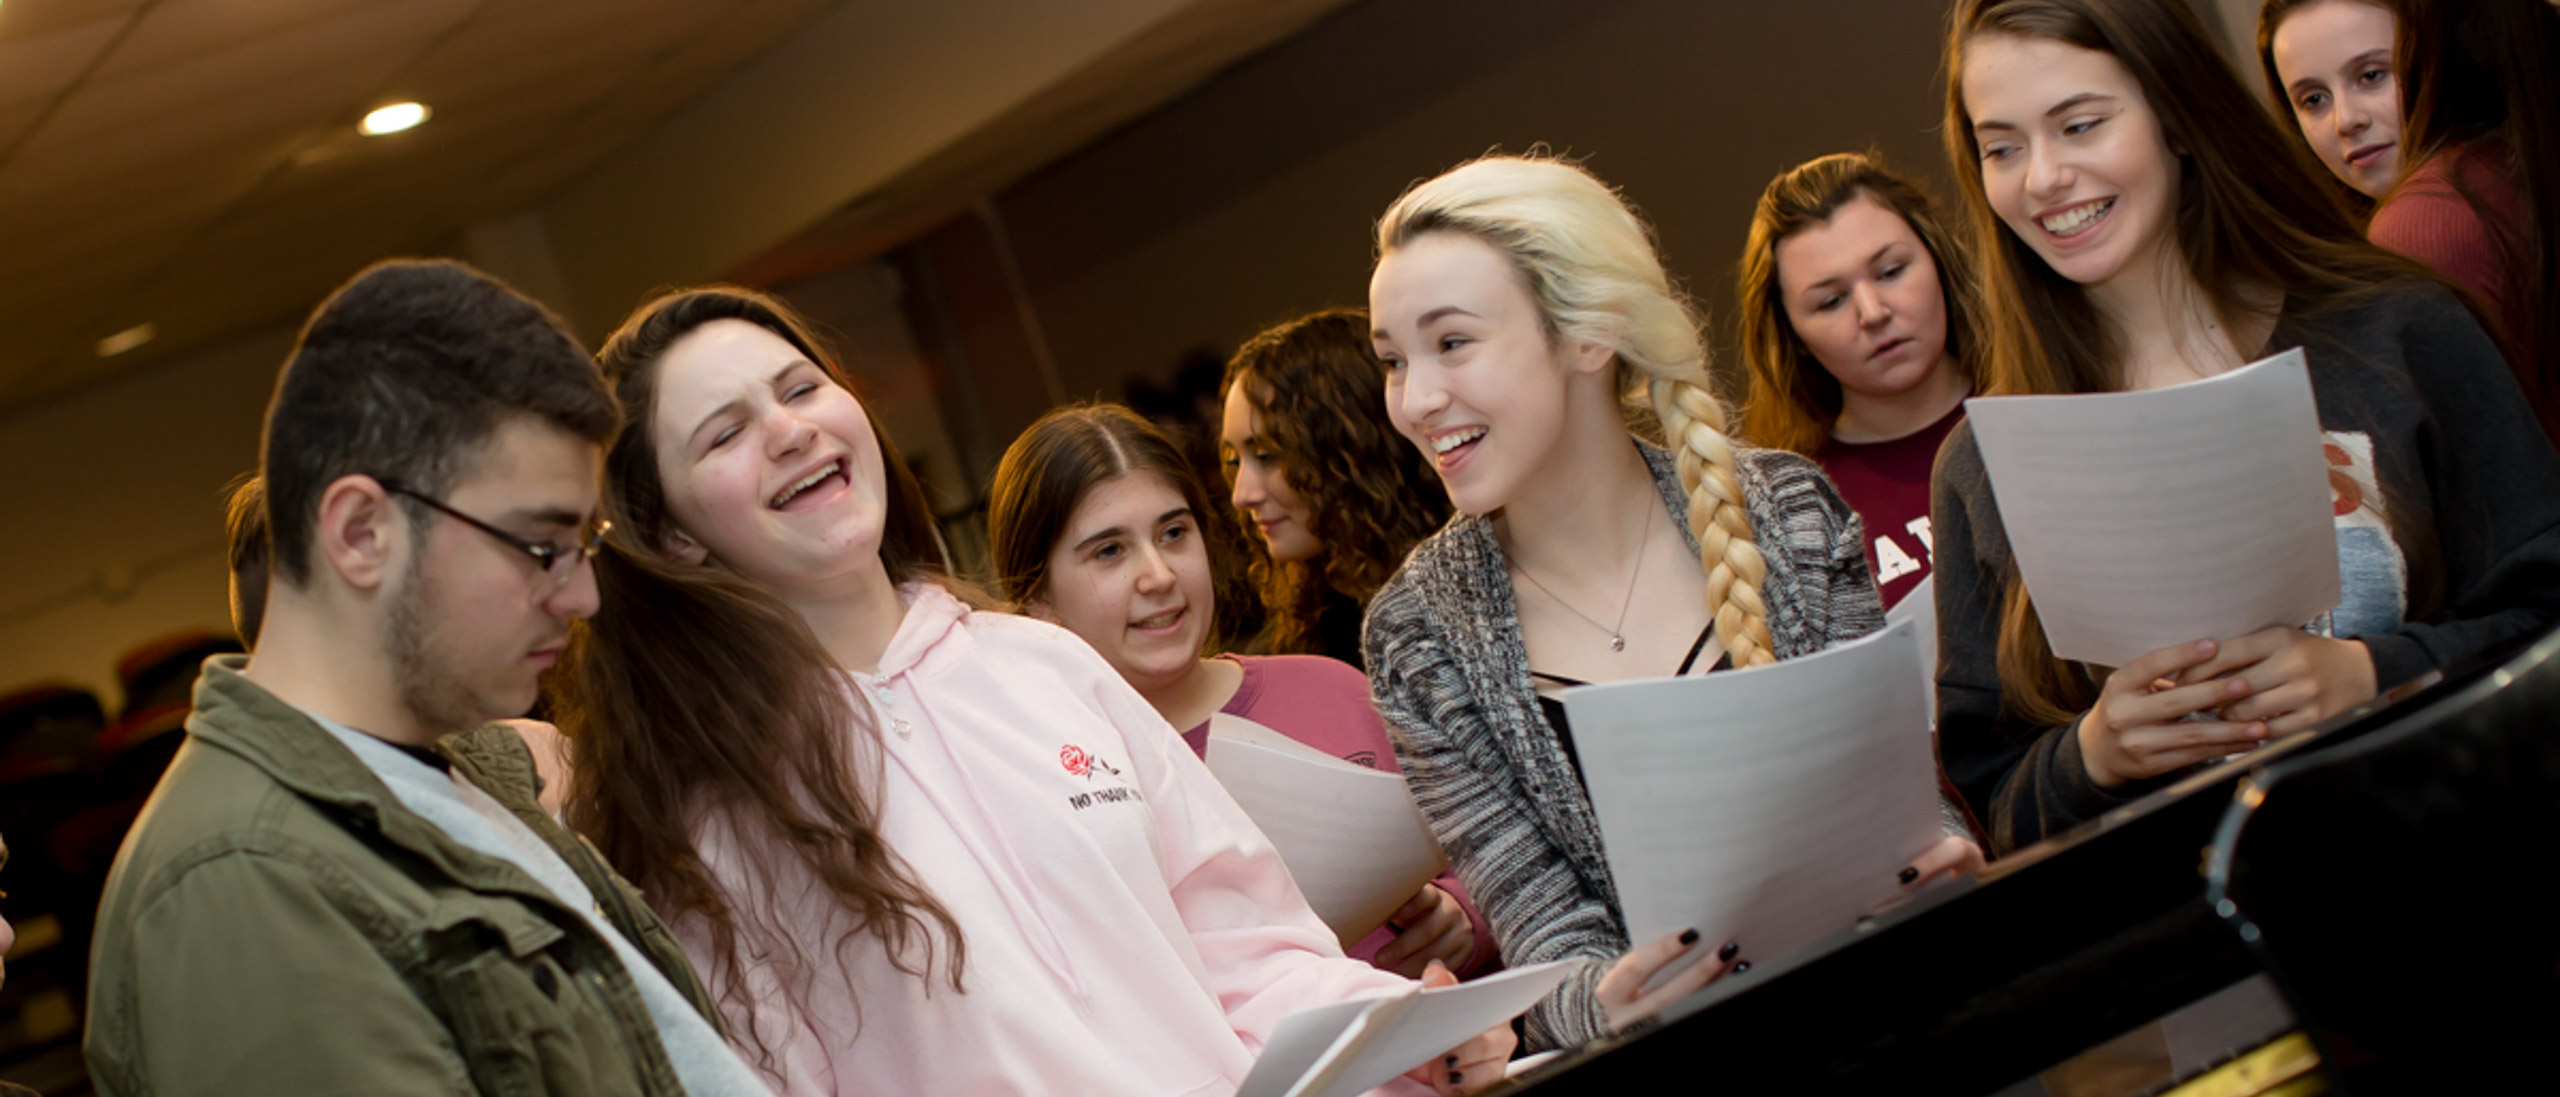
pixel 393 118
pixel 126 340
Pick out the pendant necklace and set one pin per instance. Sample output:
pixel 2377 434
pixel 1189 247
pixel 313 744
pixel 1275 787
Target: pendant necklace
pixel 1618 632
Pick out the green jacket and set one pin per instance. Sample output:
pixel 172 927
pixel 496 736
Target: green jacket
pixel 278 923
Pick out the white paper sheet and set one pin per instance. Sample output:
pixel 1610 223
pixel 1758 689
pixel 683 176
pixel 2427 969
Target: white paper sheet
pixel 1350 835
pixel 1919 606
pixel 1353 1047
pixel 1772 806
pixel 2143 520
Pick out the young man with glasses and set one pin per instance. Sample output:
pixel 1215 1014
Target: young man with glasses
pixel 343 884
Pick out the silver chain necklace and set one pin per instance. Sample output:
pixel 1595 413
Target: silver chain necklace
pixel 1618 632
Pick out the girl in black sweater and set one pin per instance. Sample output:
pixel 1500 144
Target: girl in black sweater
pixel 2141 223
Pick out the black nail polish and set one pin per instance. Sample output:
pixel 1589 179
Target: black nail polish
pixel 1453 1061
pixel 1742 967
pixel 1456 1078
pixel 1727 952
pixel 1908 873
pixel 1688 937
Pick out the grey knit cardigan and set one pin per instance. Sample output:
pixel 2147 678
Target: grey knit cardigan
pixel 1451 675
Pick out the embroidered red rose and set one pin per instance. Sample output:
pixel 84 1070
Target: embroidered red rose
pixel 1074 758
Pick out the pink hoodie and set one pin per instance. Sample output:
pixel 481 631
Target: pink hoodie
pixel 1128 931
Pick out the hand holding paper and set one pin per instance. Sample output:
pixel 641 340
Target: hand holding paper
pixel 1353 1047
pixel 2145 520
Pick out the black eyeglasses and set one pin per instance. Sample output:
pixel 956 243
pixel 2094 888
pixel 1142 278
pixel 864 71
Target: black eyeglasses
pixel 558 562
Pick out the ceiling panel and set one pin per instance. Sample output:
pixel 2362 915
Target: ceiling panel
pixel 193 163
pixel 16 117
pixel 24 18
pixel 177 32
pixel 35 66
pixel 247 138
pixel 357 40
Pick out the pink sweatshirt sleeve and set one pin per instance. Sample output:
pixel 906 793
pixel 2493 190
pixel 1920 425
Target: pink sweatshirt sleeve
pixel 1262 951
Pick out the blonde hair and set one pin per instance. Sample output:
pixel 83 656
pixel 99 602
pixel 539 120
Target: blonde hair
pixel 1590 265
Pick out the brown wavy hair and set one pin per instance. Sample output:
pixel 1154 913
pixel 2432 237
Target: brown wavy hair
pixel 1049 469
pixel 1794 402
pixel 2251 210
pixel 696 698
pixel 1321 395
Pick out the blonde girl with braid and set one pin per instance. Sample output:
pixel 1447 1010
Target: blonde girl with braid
pixel 1524 322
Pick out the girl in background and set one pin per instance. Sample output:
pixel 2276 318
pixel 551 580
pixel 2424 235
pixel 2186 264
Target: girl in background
pixel 2329 66
pixel 2481 204
pixel 1516 302
pixel 1330 497
pixel 1857 335
pixel 916 848
pixel 1095 522
pixel 2133 232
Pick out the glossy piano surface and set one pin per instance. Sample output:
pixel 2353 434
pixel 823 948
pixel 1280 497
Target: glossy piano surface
pixel 2069 944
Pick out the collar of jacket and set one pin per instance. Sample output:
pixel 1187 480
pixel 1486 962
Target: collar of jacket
pixel 240 717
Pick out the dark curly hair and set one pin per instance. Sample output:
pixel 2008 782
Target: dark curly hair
pixel 1317 386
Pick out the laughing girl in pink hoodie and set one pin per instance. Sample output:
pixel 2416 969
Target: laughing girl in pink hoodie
pixel 917 847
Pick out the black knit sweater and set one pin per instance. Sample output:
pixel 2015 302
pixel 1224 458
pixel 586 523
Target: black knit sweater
pixel 2472 490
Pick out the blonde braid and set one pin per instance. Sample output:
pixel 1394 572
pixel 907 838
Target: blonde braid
pixel 1694 422
pixel 1591 266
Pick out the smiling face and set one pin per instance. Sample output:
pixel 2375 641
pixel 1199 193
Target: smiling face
pixel 1862 293
pixel 2335 61
pixel 771 468
pixel 1472 375
pixel 1131 575
pixel 2073 158
pixel 475 622
pixel 1258 487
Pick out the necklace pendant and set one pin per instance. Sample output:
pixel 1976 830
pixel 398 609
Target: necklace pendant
pixel 1617 643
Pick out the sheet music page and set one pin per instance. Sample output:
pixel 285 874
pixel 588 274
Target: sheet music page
pixel 1920 607
pixel 1302 1040
pixel 1350 835
pixel 1350 1048
pixel 2143 520
pixel 1771 806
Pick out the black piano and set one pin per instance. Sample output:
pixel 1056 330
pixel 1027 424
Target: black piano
pixel 2370 907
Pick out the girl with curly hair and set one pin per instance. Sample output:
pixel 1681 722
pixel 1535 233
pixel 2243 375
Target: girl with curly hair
pixel 1331 499
pixel 1857 335
pixel 1096 524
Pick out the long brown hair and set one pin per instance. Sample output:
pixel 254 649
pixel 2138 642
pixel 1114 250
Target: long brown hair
pixel 695 698
pixel 2482 73
pixel 1321 395
pixel 2251 212
pixel 1049 469
pixel 1794 402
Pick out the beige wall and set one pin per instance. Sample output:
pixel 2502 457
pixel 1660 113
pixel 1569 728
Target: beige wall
pixel 115 510
pixel 1250 200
